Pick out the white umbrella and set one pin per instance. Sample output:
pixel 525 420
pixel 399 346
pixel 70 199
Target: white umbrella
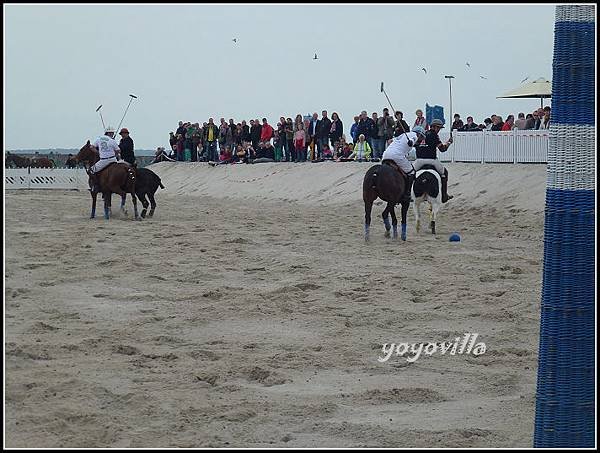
pixel 540 88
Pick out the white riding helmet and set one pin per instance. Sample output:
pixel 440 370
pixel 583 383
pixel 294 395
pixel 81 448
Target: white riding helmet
pixel 109 129
pixel 419 130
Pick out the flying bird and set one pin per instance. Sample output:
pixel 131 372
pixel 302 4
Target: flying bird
pixel 524 79
pixel 234 39
pixel 315 57
pixel 468 64
pixel 485 78
pixel 424 70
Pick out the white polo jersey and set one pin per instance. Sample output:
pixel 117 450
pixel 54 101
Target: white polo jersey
pixel 399 150
pixel 106 146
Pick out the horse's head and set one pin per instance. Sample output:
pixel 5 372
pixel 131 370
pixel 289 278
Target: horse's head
pixel 87 153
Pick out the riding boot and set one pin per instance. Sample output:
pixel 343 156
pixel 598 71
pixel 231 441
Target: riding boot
pixel 94 184
pixel 445 196
pixel 410 178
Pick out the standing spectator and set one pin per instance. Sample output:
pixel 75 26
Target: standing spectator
pixel 289 140
pixel 323 133
pixel 180 145
pixel 401 126
pixel 196 139
pixel 521 123
pixel 237 135
pixel 300 144
pixel 278 144
pixel 211 134
pixel 181 129
pixel 313 131
pixel 498 123
pixel 255 131
pixel 354 129
pixel 266 132
pixel 385 127
pixel 336 129
pixel 458 123
pixel 509 124
pixel 246 131
pixel 378 143
pixel 420 120
pixel 488 124
pixel 307 140
pixel 297 122
pixel 173 141
pixel 365 127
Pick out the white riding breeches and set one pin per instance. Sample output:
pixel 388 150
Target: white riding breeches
pixel 417 164
pixel 101 164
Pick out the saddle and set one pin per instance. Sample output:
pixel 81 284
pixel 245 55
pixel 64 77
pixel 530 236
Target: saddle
pixel 394 165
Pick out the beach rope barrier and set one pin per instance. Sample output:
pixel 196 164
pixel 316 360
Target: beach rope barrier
pixel 565 399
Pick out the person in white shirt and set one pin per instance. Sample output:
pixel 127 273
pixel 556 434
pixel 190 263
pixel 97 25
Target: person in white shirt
pixel 109 152
pixel 399 150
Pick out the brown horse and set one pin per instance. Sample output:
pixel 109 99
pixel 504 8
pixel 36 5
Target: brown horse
pixel 42 162
pixel 17 161
pixel 385 182
pixel 116 178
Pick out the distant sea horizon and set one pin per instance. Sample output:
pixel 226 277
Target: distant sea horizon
pixel 67 151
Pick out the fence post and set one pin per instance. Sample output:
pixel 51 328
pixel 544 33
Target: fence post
pixel 483 147
pixel 514 132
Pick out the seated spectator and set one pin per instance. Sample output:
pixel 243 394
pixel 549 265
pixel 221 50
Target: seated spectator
pixel 362 150
pixel 545 122
pixel 509 124
pixel 521 123
pixel 498 123
pixel 458 123
pixel 240 154
pixel 225 155
pixel 269 151
pixel 488 124
pixel 327 154
pixel 470 126
pixel 529 121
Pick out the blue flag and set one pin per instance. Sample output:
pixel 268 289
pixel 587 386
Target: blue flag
pixel 434 112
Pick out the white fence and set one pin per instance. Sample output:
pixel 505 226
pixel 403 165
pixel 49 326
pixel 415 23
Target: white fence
pixel 45 178
pixel 528 146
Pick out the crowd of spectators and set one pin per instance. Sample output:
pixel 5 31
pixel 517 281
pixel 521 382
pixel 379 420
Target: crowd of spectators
pixel 314 138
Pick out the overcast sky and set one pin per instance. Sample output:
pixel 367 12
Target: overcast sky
pixel 62 61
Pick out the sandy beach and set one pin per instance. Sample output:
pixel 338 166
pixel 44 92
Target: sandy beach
pixel 249 312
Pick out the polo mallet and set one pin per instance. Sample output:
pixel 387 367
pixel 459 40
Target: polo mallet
pixel 131 98
pixel 98 110
pixel 394 110
pixel 450 77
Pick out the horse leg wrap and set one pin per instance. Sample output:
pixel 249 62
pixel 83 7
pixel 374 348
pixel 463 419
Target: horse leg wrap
pixel 403 235
pixel 366 232
pixel 386 221
pixel 106 213
pixel 395 231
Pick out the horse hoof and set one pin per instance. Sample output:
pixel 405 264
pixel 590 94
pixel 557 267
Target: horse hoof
pixel 138 218
pixel 387 234
pixel 143 214
pixel 403 237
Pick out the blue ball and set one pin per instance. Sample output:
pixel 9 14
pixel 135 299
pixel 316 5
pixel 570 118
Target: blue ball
pixel 454 237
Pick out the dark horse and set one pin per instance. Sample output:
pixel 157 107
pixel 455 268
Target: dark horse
pixel 146 183
pixel 385 182
pixel 17 161
pixel 42 162
pixel 116 178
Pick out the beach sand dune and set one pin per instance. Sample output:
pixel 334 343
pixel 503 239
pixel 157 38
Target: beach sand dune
pixel 249 312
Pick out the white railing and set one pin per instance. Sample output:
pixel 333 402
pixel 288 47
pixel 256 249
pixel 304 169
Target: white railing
pixel 528 146
pixel 45 178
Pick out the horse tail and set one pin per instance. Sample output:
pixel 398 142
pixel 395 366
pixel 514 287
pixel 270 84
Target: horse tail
pixel 160 184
